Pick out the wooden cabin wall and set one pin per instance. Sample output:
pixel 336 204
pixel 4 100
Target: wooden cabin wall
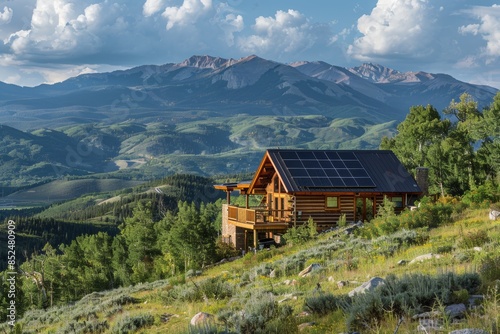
pixel 314 206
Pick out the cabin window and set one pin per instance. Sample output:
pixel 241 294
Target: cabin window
pixel 276 182
pixel 398 201
pixel 332 202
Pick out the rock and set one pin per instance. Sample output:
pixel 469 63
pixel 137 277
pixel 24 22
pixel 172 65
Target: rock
pixel 272 274
pixel 167 316
pixel 331 279
pixel 341 284
pixel 287 282
pixel 402 263
pixel 294 282
pixel 430 325
pixel 305 325
pixel 303 314
pixel 201 318
pixel 478 249
pixel 469 331
pixel 494 214
pixel 309 269
pixel 425 257
pixel 367 286
pixel 455 310
pixel 475 300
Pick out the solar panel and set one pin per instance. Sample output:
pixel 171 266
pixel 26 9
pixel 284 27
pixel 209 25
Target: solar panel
pixel 326 169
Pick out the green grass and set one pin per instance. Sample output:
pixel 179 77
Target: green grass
pixel 344 258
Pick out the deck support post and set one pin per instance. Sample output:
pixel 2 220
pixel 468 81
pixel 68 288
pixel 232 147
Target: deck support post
pixel 255 239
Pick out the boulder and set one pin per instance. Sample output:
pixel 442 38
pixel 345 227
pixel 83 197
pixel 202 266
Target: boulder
pixel 494 214
pixel 402 263
pixel 475 301
pixel 311 268
pixel 367 286
pixel 425 257
pixel 455 310
pixel 201 318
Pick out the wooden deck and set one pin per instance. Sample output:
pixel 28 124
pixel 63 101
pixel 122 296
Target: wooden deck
pixel 258 218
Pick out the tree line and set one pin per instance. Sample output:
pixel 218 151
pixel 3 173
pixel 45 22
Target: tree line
pixel 461 149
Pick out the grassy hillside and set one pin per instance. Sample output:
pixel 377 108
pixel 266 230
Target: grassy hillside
pixel 63 190
pixel 263 292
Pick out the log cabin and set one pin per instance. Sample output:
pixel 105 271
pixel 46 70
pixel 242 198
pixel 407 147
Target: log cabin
pixel 293 186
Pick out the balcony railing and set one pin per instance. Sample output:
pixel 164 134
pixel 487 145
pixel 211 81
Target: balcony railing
pixel 258 215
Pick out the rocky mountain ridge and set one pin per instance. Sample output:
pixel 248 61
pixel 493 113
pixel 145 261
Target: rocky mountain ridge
pixel 225 87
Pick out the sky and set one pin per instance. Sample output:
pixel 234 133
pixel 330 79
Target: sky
pixel 48 41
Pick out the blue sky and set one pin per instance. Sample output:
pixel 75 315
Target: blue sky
pixel 46 41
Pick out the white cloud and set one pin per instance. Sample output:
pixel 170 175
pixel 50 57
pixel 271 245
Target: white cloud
pixel 6 15
pixel 189 12
pixel 152 7
pixel 58 27
pixel 488 29
pixel 394 28
pixel 469 29
pixel 229 21
pixel 467 62
pixel 285 32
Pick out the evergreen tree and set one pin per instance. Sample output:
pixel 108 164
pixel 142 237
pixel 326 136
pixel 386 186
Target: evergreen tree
pixel 140 237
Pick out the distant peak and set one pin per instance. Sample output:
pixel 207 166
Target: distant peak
pixel 204 62
pixel 381 74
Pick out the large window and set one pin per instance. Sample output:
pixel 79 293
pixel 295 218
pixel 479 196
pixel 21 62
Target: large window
pixel 332 202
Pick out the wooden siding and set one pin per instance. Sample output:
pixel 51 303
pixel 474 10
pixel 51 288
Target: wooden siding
pixel 314 206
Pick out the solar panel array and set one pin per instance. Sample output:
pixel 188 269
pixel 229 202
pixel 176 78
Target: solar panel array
pixel 326 169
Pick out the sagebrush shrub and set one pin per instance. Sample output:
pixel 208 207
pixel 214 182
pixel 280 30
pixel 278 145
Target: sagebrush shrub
pixel 406 296
pixel 489 269
pixel 322 303
pixel 130 324
pixel 260 312
pixel 473 239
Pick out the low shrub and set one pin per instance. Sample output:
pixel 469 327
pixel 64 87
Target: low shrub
pixel 473 239
pixel 406 296
pixel 323 304
pixel 489 269
pixel 300 234
pixel 130 324
pixel 224 250
pixel 210 288
pixel 260 313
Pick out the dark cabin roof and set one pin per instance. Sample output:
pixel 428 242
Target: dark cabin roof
pixel 377 171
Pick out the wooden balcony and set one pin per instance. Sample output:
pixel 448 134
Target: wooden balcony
pixel 258 218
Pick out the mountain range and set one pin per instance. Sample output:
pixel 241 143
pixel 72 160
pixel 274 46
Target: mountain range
pixel 208 114
pixel 225 87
